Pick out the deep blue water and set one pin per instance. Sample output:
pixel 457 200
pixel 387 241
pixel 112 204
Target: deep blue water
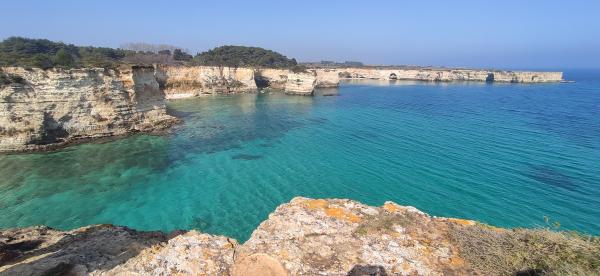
pixel 504 154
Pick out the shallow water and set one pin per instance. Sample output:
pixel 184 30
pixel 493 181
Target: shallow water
pixel 504 154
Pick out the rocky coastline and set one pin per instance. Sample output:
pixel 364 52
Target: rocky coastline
pixel 45 109
pixel 190 81
pixel 447 75
pixel 303 237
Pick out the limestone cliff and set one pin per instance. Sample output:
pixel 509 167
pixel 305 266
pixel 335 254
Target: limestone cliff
pixel 271 78
pixel 45 108
pixel 426 74
pixel 327 78
pixel 189 81
pixel 301 83
pixel 304 237
pixel 298 83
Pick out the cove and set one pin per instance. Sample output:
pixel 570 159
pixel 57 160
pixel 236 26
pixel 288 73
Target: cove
pixel 504 154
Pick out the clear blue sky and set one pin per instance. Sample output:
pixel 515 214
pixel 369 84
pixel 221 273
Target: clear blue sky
pixel 502 34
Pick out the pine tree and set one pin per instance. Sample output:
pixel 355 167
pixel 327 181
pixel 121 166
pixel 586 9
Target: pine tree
pixel 63 59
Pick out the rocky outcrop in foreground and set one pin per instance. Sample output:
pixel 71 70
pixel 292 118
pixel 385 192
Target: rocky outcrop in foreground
pixel 304 237
pixel 47 108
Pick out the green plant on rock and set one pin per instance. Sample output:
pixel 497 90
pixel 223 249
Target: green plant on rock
pixel 63 59
pixel 238 56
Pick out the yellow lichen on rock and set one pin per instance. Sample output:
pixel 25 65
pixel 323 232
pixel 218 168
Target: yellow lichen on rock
pixel 342 214
pixel 457 261
pixel 331 211
pixel 391 207
pixel 316 204
pixel 465 222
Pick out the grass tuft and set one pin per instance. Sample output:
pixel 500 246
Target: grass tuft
pixel 527 251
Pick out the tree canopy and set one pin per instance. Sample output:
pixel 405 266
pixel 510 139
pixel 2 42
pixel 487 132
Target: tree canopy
pixel 43 53
pixel 236 56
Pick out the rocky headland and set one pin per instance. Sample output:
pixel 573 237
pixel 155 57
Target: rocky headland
pixel 190 81
pixel 40 109
pixel 306 237
pixel 430 74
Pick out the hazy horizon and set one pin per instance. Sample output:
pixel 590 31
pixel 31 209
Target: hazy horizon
pixel 515 35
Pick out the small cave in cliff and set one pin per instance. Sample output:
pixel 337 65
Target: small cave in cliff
pixel 393 76
pixel 261 82
pixel 344 75
pixel 490 77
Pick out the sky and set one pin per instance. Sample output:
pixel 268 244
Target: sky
pixel 510 34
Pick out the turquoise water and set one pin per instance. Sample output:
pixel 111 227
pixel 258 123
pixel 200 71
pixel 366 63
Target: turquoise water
pixel 505 154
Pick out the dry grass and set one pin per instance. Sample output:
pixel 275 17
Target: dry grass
pixel 527 252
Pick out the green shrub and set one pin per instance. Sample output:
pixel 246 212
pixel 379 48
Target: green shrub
pixel 43 53
pixel 178 54
pixel 63 59
pixel 238 56
pixel 299 69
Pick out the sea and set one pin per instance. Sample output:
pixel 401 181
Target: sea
pixel 505 154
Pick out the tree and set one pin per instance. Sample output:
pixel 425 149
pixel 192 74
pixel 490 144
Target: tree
pixel 235 56
pixel 165 52
pixel 41 61
pixel 63 59
pixel 178 54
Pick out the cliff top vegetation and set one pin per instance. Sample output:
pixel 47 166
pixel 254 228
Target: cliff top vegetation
pixel 244 56
pixel 43 53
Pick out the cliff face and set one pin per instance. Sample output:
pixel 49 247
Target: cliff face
pixel 449 75
pixel 527 77
pixel 45 108
pixel 303 237
pixel 301 83
pixel 327 78
pixel 53 107
pixel 189 81
pixel 296 83
pixel 272 78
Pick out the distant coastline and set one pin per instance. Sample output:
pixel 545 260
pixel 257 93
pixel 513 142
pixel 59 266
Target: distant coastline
pixel 51 96
pixel 56 106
